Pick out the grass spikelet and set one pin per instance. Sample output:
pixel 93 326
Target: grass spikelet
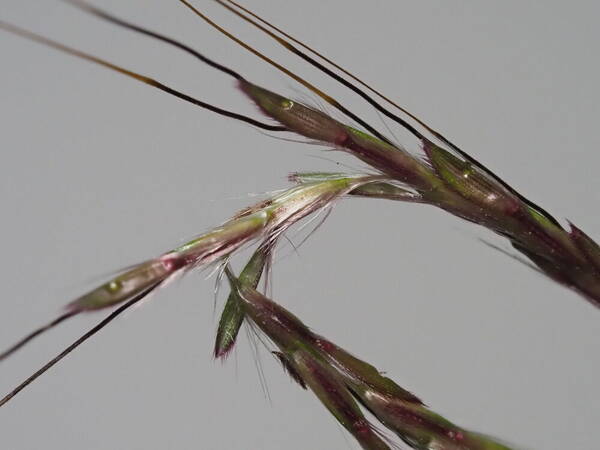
pixel 306 366
pixel 335 376
pixel 472 183
pixel 123 287
pixel 361 372
pixel 381 190
pixel 329 388
pixel 295 116
pixel 266 220
pixel 232 316
pixel 421 428
pixel 309 122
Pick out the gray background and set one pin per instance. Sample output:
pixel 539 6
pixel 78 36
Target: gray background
pixel 98 172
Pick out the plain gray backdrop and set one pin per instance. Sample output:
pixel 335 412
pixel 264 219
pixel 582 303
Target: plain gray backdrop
pixel 98 172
